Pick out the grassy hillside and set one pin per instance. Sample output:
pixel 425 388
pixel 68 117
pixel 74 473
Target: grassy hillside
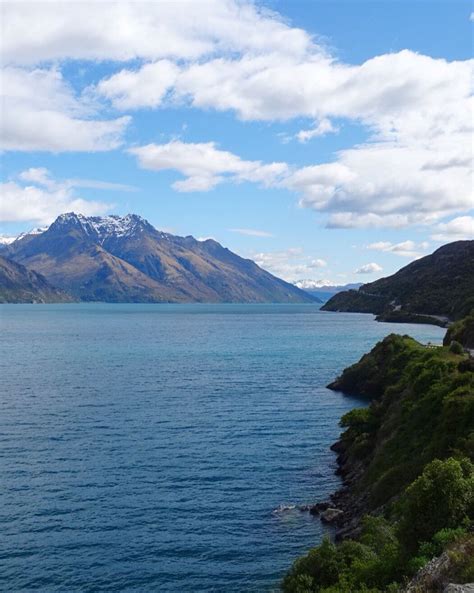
pixel 406 463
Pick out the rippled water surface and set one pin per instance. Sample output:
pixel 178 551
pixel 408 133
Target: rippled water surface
pixel 144 447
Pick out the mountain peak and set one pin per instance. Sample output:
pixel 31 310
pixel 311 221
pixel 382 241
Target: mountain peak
pixel 103 227
pixel 125 259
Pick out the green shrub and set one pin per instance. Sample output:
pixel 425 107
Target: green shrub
pixel 456 347
pixel 440 541
pixel 442 497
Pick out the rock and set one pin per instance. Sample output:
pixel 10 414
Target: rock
pixel 330 515
pixel 452 588
pixel 318 508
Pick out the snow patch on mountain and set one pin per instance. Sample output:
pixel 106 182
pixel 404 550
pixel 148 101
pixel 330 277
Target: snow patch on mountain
pixel 325 286
pixel 107 227
pixel 307 284
pixel 4 240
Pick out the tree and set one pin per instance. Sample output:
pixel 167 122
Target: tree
pixel 442 497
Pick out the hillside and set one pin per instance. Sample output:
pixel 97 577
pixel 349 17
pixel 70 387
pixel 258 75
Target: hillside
pixel 406 463
pixel 20 285
pixel 440 284
pixel 125 259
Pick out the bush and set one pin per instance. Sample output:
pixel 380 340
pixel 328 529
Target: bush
pixel 440 542
pixel 367 565
pixel 456 347
pixel 441 498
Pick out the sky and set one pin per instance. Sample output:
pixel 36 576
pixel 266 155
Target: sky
pixel 328 140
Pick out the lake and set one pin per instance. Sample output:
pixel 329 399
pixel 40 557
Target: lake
pixel 146 447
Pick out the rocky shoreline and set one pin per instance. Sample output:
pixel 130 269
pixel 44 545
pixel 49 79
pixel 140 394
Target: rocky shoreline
pixel 344 508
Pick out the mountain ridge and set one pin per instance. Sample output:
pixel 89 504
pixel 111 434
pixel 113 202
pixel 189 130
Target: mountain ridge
pixel 439 286
pixel 126 259
pixel 20 285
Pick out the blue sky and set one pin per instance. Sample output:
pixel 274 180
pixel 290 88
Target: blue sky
pixel 324 139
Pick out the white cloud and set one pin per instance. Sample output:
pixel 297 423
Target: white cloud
pixel 42 176
pixel 371 268
pixel 456 229
pixel 228 55
pixel 416 166
pixel 386 184
pixel 32 203
pixel 252 232
pixel 362 189
pixel 38 197
pixel 290 264
pixel 205 166
pixel 123 31
pixel 320 128
pixel 405 248
pixel 147 87
pixel 41 112
pixel 38 175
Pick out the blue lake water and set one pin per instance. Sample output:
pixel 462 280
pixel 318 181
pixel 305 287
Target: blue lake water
pixel 144 447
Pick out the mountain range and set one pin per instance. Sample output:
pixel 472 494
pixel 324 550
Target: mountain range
pixel 323 289
pixel 440 285
pixel 126 259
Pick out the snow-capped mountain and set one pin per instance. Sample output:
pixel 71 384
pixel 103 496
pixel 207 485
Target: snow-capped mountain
pixel 325 286
pixel 125 259
pixel 4 240
pixel 106 227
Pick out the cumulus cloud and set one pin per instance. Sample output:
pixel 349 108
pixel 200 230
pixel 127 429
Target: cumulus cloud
pixel 252 232
pixel 205 166
pixel 371 268
pixel 41 112
pixel 416 167
pixel 147 87
pixel 362 189
pixel 320 128
pixel 386 185
pixel 405 248
pixel 456 229
pixel 32 203
pixel 123 31
pixel 37 197
pixel 290 264
pixel 228 55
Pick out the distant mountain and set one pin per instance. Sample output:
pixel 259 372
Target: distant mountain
pixel 439 285
pixel 323 289
pixel 125 259
pixel 20 285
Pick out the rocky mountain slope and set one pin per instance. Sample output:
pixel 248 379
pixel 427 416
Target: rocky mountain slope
pixel 20 285
pixel 440 284
pixel 125 259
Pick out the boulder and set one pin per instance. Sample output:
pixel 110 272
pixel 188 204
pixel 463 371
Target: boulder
pixel 330 515
pixel 318 508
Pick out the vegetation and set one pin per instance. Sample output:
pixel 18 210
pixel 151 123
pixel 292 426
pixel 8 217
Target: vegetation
pixel 409 459
pixel 461 331
pixel 440 284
